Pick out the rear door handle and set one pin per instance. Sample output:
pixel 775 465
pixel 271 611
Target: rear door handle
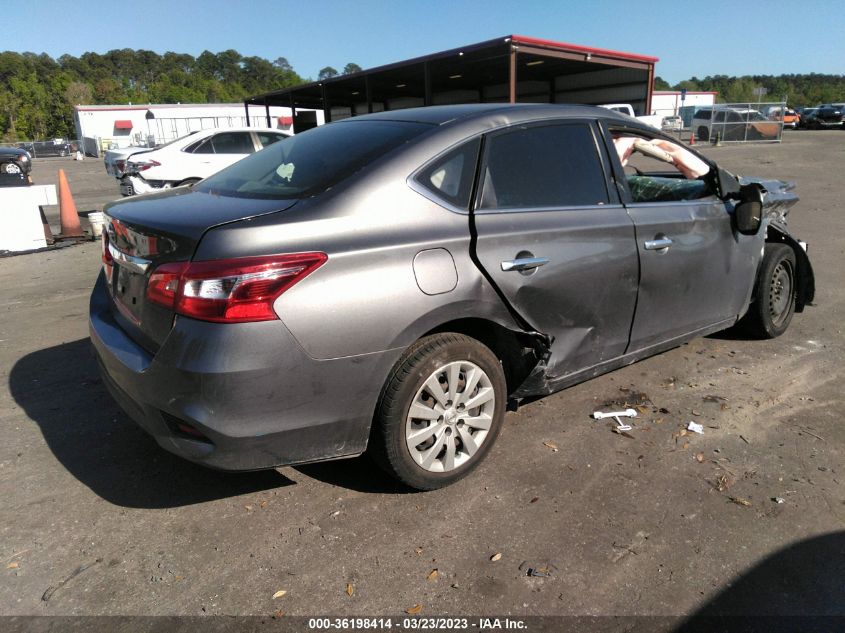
pixel 658 244
pixel 524 263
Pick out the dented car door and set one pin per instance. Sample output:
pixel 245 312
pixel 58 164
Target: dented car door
pixel 555 241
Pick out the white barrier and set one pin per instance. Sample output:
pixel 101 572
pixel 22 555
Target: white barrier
pixel 20 220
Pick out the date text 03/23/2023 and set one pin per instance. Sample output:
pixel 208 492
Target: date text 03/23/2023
pixel 418 624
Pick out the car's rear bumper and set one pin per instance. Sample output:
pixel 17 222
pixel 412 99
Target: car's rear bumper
pixel 249 389
pixel 131 185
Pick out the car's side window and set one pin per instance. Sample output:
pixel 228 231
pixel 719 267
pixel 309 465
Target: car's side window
pixel 659 170
pixel 268 138
pixel 202 147
pixel 233 143
pixel 543 166
pixel 450 176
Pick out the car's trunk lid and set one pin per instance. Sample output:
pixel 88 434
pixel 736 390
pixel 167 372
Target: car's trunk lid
pixel 155 229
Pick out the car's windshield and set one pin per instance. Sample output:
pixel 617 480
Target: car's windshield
pixel 312 161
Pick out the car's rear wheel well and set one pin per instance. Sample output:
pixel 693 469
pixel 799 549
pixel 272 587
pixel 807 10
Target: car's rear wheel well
pixel 515 350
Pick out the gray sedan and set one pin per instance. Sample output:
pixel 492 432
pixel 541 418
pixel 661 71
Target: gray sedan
pixel 391 283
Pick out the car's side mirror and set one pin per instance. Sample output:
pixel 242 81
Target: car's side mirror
pixel 748 212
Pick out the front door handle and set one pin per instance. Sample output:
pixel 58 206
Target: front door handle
pixel 658 244
pixel 524 263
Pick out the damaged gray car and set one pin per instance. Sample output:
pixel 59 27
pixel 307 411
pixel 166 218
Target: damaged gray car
pixel 391 283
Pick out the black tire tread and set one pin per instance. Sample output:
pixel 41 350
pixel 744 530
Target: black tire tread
pixel 757 321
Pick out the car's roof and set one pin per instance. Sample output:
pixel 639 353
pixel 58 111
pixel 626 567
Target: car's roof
pixel 440 115
pixel 213 130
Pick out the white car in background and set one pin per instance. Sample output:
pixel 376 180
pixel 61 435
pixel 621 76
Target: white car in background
pixel 191 158
pixel 115 159
pixel 672 124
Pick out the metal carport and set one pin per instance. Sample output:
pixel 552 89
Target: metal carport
pixel 511 69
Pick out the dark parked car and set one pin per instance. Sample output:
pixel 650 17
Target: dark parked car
pixel 15 165
pixel 41 149
pixel 391 282
pixel 830 116
pixel 808 118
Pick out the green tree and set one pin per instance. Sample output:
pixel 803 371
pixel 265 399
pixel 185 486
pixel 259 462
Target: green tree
pixel 78 93
pixel 326 73
pixel 661 84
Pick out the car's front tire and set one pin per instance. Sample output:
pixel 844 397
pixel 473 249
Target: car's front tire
pixel 440 411
pixel 774 293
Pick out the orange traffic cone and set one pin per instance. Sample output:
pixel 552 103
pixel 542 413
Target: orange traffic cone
pixel 691 138
pixel 71 227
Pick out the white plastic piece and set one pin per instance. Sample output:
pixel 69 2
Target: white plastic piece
pixel 695 428
pixel 627 413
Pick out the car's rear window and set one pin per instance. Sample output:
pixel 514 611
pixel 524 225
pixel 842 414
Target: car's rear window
pixel 313 161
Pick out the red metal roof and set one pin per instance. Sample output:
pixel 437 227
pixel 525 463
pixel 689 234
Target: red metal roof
pixel 565 46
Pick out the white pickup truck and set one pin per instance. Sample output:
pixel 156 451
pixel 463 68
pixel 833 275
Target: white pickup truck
pixel 654 120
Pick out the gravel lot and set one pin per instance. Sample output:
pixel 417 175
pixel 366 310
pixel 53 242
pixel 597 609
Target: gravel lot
pixel 98 520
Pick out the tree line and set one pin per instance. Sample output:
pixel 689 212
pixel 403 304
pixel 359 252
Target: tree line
pixel 797 90
pixel 37 92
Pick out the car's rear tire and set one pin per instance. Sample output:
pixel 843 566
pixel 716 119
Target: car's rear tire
pixel 703 134
pixel 10 168
pixel 440 411
pixel 774 293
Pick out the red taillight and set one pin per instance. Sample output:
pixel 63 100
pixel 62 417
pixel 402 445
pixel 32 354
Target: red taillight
pixel 108 260
pixel 230 290
pixel 142 165
pixel 164 284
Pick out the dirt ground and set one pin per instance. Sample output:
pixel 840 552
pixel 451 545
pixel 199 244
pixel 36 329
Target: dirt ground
pixel 96 519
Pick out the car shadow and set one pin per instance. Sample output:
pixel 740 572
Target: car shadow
pixel 738 332
pixel 60 389
pixel 359 473
pixel 798 588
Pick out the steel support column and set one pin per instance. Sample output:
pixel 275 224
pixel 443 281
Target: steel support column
pixel 649 89
pixel 327 110
pixel 512 76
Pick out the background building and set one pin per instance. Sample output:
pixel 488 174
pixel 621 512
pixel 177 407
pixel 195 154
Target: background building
pixel 668 103
pixel 514 68
pixel 102 127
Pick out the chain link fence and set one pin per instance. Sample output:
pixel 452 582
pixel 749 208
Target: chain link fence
pixel 739 122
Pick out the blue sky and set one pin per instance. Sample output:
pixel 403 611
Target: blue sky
pixel 691 39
